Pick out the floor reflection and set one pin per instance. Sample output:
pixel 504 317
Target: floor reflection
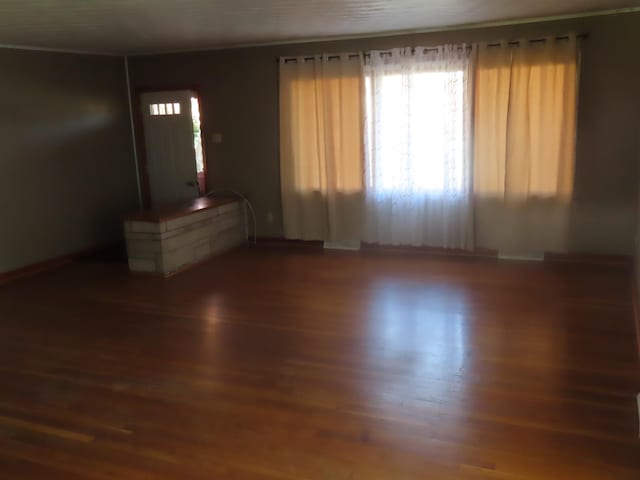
pixel 417 336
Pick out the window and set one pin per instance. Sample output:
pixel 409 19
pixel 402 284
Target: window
pixel 418 144
pixel 420 133
pixel 415 131
pixel 197 133
pixel 417 123
pixel 164 108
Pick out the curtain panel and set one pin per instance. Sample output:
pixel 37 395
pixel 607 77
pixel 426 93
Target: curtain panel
pixel 525 137
pixel 418 137
pixel 525 119
pixel 321 147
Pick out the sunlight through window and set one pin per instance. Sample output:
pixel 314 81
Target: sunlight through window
pixel 411 134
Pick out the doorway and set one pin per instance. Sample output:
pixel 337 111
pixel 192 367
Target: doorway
pixel 174 159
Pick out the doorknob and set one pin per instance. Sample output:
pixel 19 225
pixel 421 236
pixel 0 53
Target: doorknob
pixel 191 183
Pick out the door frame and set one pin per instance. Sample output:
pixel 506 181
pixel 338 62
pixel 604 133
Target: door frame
pixel 138 126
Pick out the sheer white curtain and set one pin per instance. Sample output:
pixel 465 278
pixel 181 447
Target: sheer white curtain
pixel 418 147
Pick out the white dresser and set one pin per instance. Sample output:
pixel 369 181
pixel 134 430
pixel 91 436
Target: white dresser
pixel 168 240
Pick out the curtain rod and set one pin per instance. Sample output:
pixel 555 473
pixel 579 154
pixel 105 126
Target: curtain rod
pixel 431 49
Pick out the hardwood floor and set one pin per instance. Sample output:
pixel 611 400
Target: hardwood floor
pixel 273 363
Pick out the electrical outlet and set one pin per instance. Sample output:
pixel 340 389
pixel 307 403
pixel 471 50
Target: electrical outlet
pixel 216 137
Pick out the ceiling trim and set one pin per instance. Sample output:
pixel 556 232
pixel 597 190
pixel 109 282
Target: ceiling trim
pixel 466 26
pixel 449 28
pixel 36 48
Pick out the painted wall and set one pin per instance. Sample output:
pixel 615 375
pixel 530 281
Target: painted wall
pixel 66 163
pixel 239 90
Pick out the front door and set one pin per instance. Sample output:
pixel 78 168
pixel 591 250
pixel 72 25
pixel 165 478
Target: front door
pixel 169 141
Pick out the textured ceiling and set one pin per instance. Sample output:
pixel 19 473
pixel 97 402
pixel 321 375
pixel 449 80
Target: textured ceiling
pixel 138 26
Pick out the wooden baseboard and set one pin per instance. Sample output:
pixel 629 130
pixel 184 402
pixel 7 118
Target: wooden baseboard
pixel 287 242
pixel 54 263
pixel 35 268
pixel 434 251
pixel 635 303
pixel 485 253
pixel 589 258
pixel 376 248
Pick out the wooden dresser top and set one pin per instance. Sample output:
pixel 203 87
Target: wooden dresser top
pixel 162 214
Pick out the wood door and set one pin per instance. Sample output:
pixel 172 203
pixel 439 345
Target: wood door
pixel 169 142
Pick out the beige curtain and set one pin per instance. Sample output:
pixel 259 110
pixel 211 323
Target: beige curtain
pixel 525 119
pixel 321 147
pixel 525 130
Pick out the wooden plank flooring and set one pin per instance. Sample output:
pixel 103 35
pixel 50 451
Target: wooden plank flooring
pixel 273 363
